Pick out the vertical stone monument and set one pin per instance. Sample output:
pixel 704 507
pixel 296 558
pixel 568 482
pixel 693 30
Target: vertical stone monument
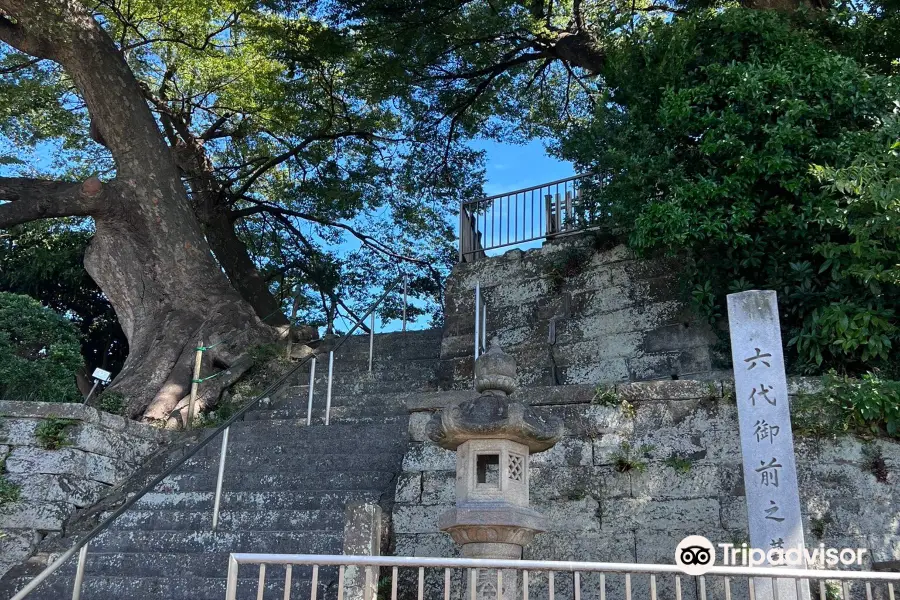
pixel 767 443
pixel 493 436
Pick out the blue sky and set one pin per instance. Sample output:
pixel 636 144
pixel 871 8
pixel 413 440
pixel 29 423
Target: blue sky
pixel 512 167
pixel 509 167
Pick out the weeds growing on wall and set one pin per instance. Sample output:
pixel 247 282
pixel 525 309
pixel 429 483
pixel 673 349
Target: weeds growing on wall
pixel 679 464
pixel 868 406
pixel 568 263
pixel 628 458
pixel 51 433
pixel 605 395
pixel 9 492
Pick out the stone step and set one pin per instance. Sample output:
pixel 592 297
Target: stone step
pixel 296 463
pixel 395 346
pixel 253 442
pixel 339 414
pixel 173 587
pixel 251 481
pixel 266 500
pixel 352 435
pixel 231 520
pixel 271 542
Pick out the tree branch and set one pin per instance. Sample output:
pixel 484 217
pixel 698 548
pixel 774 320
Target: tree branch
pixel 30 199
pixel 367 240
pixel 294 151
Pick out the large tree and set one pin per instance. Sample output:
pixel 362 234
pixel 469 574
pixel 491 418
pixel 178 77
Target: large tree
pixel 236 147
pixel 753 140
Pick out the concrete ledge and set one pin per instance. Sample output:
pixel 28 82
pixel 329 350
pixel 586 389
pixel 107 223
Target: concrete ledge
pixel 636 391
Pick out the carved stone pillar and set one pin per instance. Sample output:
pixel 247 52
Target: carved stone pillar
pixel 494 437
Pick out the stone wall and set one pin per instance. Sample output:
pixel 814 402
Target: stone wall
pixel 599 513
pixel 100 450
pixel 614 318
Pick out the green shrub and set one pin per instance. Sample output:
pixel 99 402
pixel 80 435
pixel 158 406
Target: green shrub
pixel 112 402
pixel 763 156
pixel 39 352
pixel 51 433
pixel 866 406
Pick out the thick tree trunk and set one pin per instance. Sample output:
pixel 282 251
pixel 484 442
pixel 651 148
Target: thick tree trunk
pixel 148 254
pixel 232 254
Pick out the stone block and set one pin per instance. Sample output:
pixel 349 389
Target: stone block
pixel 657 546
pixel 589 547
pixel 590 421
pixel 362 536
pixel 804 385
pixel 439 487
pixel 828 482
pixel 683 515
pixel 733 514
pixel 426 456
pixel 417 518
pixel 668 390
pixel 574 483
pixel 418 426
pixel 607 446
pixel 58 488
pixel 577 516
pixel 113 444
pixel 431 544
pixel 583 371
pixel 409 488
pixel 678 336
pixel 32 514
pixel 566 452
pixel 662 482
pixel 65 461
pixel 16 546
pixel 40 410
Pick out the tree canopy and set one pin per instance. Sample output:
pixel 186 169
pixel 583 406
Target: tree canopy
pixel 218 162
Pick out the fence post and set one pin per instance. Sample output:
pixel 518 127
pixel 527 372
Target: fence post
pixel 484 327
pixel 195 383
pixel 404 302
pixel 477 318
pixel 312 385
pixel 328 393
pixel 79 573
pixel 223 453
pixel 371 339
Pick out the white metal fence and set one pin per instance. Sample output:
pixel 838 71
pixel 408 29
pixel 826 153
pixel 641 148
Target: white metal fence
pixel 328 577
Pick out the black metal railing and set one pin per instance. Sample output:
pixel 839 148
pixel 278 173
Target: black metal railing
pixel 535 213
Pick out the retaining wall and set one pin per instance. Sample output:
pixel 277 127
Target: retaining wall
pixel 100 450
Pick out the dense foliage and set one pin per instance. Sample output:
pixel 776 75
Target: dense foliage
pixel 39 352
pixel 284 133
pixel 756 147
pixel 867 406
pixel 44 260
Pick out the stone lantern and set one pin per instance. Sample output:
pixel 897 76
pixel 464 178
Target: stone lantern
pixel 493 436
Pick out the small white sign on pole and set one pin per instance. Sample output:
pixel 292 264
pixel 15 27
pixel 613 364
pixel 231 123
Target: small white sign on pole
pixel 103 376
pixel 767 444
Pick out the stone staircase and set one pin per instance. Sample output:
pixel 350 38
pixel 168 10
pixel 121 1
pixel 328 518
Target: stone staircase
pixel 286 486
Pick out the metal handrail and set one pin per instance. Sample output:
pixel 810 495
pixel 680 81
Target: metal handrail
pixel 239 558
pixel 521 216
pixel 100 528
pixel 528 189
